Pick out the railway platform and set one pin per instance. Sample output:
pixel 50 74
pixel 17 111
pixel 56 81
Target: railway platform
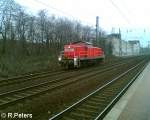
pixel 135 103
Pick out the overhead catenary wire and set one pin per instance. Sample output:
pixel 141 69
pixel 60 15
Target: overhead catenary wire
pixel 127 36
pixel 63 12
pixel 78 19
pixel 120 11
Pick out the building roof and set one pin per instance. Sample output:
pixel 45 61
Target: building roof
pixel 134 41
pixel 116 35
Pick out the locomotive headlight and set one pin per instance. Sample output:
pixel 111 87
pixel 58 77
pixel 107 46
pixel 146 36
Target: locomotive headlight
pixel 59 58
pixel 75 59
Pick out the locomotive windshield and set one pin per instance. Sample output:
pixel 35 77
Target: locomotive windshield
pixel 69 49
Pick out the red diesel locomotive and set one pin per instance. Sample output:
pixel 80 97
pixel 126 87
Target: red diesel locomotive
pixel 80 53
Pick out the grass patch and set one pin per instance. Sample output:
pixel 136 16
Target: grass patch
pixel 11 65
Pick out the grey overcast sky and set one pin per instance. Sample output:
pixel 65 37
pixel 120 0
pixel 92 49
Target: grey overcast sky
pixel 128 15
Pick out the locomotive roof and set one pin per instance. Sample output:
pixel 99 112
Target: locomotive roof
pixel 83 42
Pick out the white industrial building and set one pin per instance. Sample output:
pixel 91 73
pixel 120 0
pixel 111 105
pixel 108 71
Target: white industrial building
pixel 135 47
pixel 122 47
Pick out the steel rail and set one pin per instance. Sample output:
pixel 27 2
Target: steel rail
pixel 59 115
pixel 28 77
pixel 25 78
pixel 36 76
pixel 110 105
pixel 35 90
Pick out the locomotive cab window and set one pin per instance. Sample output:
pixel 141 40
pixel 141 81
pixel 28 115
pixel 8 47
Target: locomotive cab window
pixel 69 49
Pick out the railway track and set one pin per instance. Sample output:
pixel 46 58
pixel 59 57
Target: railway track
pixel 59 74
pixel 15 96
pixel 29 77
pixel 96 105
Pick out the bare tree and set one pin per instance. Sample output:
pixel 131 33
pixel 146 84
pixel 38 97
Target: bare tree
pixel 87 33
pixel 77 31
pixel 40 33
pixel 42 28
pixel 8 10
pixel 31 30
pixel 21 28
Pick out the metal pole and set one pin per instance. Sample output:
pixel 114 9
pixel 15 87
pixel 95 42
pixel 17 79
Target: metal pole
pixel 120 43
pixel 97 28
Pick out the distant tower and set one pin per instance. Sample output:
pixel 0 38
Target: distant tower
pixel 120 43
pixel 119 33
pixel 97 27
